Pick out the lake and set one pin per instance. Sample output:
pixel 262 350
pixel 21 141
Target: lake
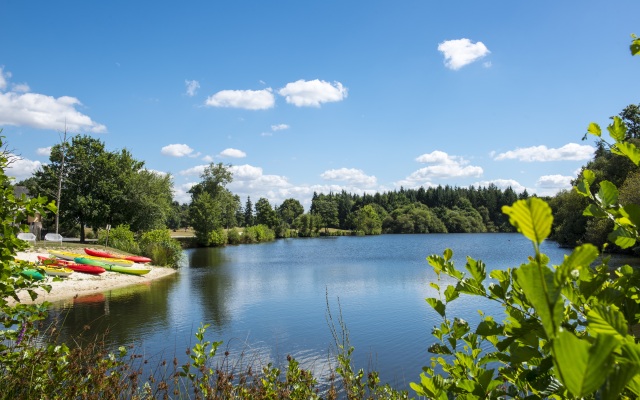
pixel 266 301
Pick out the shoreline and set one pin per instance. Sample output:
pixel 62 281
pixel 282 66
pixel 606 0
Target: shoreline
pixel 79 284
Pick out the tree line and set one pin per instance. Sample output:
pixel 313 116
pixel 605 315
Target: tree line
pixel 100 187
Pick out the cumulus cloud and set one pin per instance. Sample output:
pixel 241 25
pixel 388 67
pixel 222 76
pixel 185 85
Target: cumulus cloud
pixel 503 184
pixel 445 166
pixel 21 168
pixel 568 152
pixel 279 127
pixel 197 170
pixel 350 175
pixel 555 181
pixel 44 151
pixel 313 93
pixel 246 99
pixel 20 87
pixel 207 158
pixel 461 52
pixel 192 87
pixel 177 150
pixel 41 111
pixel 234 153
pixel 181 192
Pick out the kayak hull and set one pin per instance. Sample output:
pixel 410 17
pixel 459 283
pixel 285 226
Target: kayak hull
pixel 67 255
pixel 113 267
pixel 104 254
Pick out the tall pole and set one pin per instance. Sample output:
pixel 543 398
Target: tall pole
pixel 64 152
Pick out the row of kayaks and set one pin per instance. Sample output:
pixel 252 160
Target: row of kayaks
pixel 95 262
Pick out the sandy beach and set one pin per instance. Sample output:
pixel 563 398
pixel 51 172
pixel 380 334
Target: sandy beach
pixel 79 284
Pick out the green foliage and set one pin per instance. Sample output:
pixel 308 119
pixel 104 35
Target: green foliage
pixel 161 248
pixel 413 218
pixel 368 221
pixel 258 234
pixel 218 237
pixel 120 238
pixel 568 328
pixel 234 236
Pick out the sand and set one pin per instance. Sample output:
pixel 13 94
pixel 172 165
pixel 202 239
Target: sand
pixel 79 284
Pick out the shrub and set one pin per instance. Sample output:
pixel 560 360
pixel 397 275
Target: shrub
pixel 217 238
pixel 120 238
pixel 161 247
pixel 234 236
pixel 258 233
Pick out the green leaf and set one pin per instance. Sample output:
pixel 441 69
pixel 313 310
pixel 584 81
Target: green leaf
pixel 537 283
pixel 448 253
pixel 477 269
pixel 532 217
pixel 617 129
pixel 635 45
pixel 622 237
pixel 581 257
pixel 451 294
pixel 632 212
pixel 593 210
pixel 438 348
pixel 608 321
pixel 437 305
pixel 489 328
pixel 594 129
pixel 608 194
pixel 628 150
pixel 583 367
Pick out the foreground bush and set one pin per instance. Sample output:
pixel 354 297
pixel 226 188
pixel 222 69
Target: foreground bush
pixel 159 246
pixel 120 238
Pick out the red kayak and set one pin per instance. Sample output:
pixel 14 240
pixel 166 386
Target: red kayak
pixel 98 253
pixel 84 268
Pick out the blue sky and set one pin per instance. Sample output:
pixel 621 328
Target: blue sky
pixel 304 96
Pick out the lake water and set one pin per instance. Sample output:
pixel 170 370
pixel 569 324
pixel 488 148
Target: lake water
pixel 269 300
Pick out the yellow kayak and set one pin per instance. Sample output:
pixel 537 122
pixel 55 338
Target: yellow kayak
pixel 67 255
pixel 56 271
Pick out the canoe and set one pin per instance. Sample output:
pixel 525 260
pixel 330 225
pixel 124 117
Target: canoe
pixel 104 254
pixel 133 270
pixel 56 271
pixel 84 268
pixel 67 255
pixel 33 274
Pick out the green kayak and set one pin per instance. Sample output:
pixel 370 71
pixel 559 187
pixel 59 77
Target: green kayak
pixel 33 274
pixel 133 270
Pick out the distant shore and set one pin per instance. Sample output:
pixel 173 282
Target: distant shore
pixel 79 284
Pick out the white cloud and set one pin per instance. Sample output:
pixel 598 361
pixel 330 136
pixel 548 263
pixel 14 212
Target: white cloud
pixel 460 52
pixel 351 175
pixel 192 87
pixel 550 185
pixel 3 78
pixel 555 181
pixel 207 158
pixel 156 172
pixel 181 192
pixel 20 87
pixel 266 134
pixel 568 152
pixel 41 111
pixel 279 127
pixel 177 150
pixel 21 168
pixel 247 99
pixel 45 112
pixel 446 166
pixel 503 184
pixel 44 151
pixel 313 93
pixel 235 153
pixel 197 170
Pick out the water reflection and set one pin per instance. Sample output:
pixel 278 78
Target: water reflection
pixel 121 312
